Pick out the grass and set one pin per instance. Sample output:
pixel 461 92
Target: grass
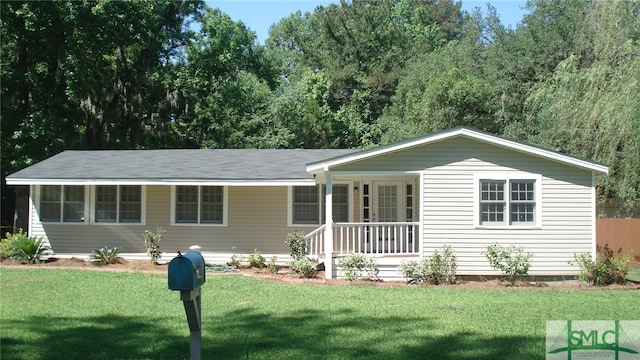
pixel 53 314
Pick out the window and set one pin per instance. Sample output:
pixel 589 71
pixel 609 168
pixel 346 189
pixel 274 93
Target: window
pixel 60 203
pixel 506 202
pixel 118 204
pixel 306 209
pixel 199 205
pixel 308 205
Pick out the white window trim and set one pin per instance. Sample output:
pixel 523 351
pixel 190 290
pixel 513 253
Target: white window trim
pixel 225 207
pixel 87 207
pixel 507 177
pixel 143 209
pixel 321 201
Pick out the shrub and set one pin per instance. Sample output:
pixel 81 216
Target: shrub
pixel 271 265
pixel 442 266
pixel 606 269
pixel 236 261
pixel 29 250
pixel 415 272
pixel 152 243
pixel 256 259
pixel 303 267
pixel 104 256
pixel 439 268
pixel 512 261
pixel 8 243
pixel 298 245
pixel 356 265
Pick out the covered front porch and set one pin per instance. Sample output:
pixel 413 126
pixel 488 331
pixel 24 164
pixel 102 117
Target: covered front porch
pixel 373 214
pixel 384 238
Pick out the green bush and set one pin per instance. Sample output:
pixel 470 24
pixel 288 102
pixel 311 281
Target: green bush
pixel 236 261
pixel 104 256
pixel 256 259
pixel 606 269
pixel 8 243
pixel 512 261
pixel 442 266
pixel 438 269
pixel 298 245
pixel 303 267
pixel 414 271
pixel 271 265
pixel 29 250
pixel 152 243
pixel 357 265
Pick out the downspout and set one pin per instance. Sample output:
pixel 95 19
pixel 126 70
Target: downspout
pixel 594 201
pixel 420 213
pixel 328 229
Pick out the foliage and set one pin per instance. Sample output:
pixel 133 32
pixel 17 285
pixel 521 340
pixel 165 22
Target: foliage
pixel 512 261
pixel 7 244
pixel 443 266
pixel 272 266
pixel 303 267
pixel 104 255
pixel 225 85
pixel 589 104
pixel 440 268
pixel 152 243
pixel 256 259
pixel 298 245
pixel 236 260
pixel 356 265
pixel 29 250
pixel 606 269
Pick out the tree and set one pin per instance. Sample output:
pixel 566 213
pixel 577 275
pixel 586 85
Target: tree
pixel 590 107
pixel 225 85
pixel 92 74
pixel 449 87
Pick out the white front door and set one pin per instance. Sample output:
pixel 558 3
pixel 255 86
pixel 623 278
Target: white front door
pixel 387 198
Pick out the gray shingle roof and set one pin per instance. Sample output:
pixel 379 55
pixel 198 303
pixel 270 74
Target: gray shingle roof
pixel 177 165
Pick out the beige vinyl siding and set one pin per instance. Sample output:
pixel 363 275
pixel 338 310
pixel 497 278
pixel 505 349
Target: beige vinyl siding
pixel 448 214
pixel 450 168
pixel 257 219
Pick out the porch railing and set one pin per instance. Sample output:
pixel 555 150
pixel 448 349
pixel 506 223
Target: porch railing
pixel 368 238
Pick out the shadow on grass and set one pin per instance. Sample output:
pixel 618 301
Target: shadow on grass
pixel 248 334
pixel 100 337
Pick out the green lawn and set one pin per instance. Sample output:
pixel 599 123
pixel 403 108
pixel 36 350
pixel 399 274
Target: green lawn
pixel 74 314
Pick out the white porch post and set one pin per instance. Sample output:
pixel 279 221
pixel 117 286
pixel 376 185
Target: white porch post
pixel 328 229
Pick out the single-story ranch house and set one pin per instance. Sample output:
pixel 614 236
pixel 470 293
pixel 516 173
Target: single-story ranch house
pixel 398 202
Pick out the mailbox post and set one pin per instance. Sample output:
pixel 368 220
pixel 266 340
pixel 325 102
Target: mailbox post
pixel 187 274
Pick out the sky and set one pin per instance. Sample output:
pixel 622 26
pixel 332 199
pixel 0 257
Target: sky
pixel 259 15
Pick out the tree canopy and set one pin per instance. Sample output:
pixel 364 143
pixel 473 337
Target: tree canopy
pixel 147 74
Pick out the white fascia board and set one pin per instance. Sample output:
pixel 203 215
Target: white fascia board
pixel 489 139
pixel 169 182
pixel 543 153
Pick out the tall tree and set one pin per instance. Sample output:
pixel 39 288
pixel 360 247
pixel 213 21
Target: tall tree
pixel 363 49
pixel 225 85
pixel 590 106
pixel 448 87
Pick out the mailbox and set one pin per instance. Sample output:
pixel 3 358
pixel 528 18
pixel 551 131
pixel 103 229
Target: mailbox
pixel 186 271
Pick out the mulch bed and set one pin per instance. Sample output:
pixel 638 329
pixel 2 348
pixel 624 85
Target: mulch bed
pixel 285 275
